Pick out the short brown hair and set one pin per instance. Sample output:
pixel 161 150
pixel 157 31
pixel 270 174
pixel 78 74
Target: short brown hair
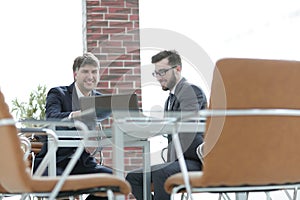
pixel 172 55
pixel 85 59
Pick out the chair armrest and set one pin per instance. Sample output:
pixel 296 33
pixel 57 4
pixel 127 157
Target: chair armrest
pixel 42 131
pixel 199 152
pixel 26 147
pixel 79 125
pixel 7 121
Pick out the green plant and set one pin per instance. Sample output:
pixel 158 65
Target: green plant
pixel 34 108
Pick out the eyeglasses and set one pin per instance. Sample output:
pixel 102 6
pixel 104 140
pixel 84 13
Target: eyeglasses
pixel 162 72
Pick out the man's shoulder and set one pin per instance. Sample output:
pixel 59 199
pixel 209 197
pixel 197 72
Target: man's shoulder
pixel 62 89
pixel 184 85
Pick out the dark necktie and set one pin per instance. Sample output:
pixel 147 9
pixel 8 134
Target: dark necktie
pixel 170 105
pixel 171 101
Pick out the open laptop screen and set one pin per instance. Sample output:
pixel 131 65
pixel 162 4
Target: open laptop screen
pixel 105 105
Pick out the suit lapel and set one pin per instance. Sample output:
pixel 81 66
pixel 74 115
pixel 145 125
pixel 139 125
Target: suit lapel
pixel 74 96
pixel 175 104
pixel 166 104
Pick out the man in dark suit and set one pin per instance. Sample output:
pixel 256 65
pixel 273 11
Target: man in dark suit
pixel 183 96
pixel 63 102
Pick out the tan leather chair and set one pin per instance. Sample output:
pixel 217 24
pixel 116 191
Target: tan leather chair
pixel 256 148
pixel 15 177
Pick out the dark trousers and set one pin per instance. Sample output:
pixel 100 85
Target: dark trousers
pixel 83 169
pixel 90 167
pixel 159 174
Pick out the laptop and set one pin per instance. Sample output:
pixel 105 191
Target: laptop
pixel 101 107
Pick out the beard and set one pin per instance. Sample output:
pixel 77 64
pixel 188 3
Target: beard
pixel 164 88
pixel 170 84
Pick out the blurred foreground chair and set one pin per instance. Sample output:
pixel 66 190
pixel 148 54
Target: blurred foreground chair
pixel 252 132
pixel 15 177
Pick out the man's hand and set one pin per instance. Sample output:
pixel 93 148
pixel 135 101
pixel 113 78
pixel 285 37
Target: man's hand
pixel 75 114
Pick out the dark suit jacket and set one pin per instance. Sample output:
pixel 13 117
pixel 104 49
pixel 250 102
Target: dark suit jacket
pixel 188 97
pixel 60 102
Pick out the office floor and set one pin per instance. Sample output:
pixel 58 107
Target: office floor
pixel 277 195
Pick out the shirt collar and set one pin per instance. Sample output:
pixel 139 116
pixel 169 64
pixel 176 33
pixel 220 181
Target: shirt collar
pixel 174 88
pixel 79 93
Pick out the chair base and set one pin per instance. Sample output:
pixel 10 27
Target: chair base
pixel 241 192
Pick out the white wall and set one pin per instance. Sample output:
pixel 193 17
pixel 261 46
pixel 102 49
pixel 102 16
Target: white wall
pixel 232 28
pixel 39 41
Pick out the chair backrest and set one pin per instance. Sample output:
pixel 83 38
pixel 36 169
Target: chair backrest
pixel 253 150
pixel 14 175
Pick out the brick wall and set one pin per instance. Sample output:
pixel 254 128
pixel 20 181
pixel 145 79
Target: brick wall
pixel 112 34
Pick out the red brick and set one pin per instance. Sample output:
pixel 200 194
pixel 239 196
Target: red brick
pixel 114 10
pixel 121 85
pixel 136 37
pixel 92 43
pixel 134 78
pixel 119 71
pixel 132 3
pixel 116 17
pixel 137 71
pixel 94 50
pixel 120 24
pixel 112 3
pixel 134 149
pixel 105 64
pixel 134 17
pixel 126 161
pixel 110 43
pixel 135 11
pixel 93 37
pixel 115 64
pixel 96 9
pixel 92 3
pixel 111 78
pixel 93 24
pixel 102 57
pixel 136 57
pixel 108 162
pixel 133 49
pixel 132 44
pixel 103 84
pixel 132 64
pixel 107 154
pixel 119 57
pixel 103 71
pixel 94 30
pixel 136 24
pixel 94 17
pixel 122 37
pixel 136 161
pixel 107 148
pixel 113 30
pixel 112 50
pixel 110 91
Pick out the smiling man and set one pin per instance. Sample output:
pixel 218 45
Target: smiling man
pixel 63 102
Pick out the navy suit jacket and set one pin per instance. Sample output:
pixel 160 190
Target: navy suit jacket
pixel 60 102
pixel 188 97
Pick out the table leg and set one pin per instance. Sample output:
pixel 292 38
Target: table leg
pixel 147 172
pixel 118 153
